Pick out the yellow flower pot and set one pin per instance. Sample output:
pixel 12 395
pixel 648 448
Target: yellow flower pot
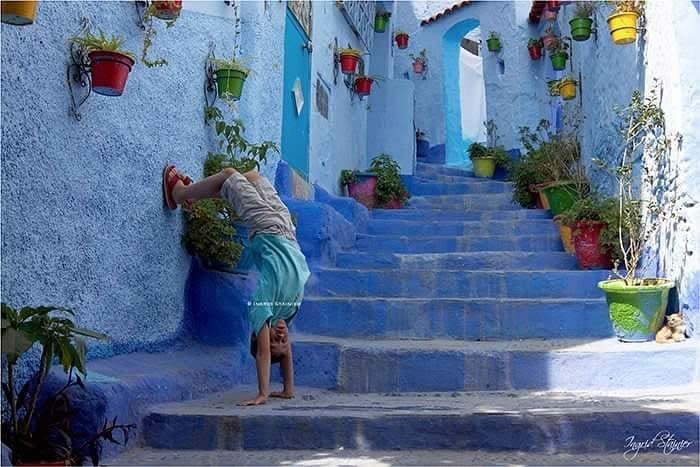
pixel 623 27
pixel 567 89
pixel 567 238
pixel 19 13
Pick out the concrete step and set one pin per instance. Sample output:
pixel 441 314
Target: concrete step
pixel 472 319
pixel 333 457
pixel 519 260
pixel 549 422
pixel 365 365
pixel 439 178
pixel 335 282
pixel 479 202
pixel 471 228
pixel 454 215
pixel 441 188
pixel 446 244
pixel 426 169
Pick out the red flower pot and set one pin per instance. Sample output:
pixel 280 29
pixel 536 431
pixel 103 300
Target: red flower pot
pixel 348 63
pixel 418 67
pixel 363 85
pixel 362 191
pixel 167 9
pixel 586 242
pixel 109 72
pixel 402 41
pixel 535 52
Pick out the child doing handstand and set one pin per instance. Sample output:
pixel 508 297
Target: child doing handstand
pixel 275 253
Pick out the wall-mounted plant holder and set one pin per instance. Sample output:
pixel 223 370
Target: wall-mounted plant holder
pixel 420 64
pixel 78 74
pixel 401 39
pixel 210 92
pixel 349 62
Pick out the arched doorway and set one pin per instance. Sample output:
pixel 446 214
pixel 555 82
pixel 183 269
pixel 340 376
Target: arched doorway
pixel 464 100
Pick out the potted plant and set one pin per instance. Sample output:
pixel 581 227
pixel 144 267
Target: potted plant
pixel 109 64
pixel 637 305
pixel 567 88
pixel 359 186
pixel 582 22
pixel 41 432
pixel 348 60
pixel 363 84
pixel 553 87
pixel 623 20
pixel 525 175
pixel 167 10
pixel 549 36
pixel 534 48
pixel 419 62
pixel 593 221
pixel 558 54
pixel 493 42
pixel 486 159
pixel 230 77
pixel 380 187
pixel 380 20
pixel 19 13
pixel 401 38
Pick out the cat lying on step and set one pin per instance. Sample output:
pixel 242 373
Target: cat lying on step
pixel 673 331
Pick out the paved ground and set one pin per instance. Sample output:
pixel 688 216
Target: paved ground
pixel 390 458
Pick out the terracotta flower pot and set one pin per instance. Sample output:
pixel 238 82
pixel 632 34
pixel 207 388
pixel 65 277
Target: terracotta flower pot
pixel 109 72
pixel 363 85
pixel 418 67
pixel 535 52
pixel 401 40
pixel 348 62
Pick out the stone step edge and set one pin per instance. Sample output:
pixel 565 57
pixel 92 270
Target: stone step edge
pixel 524 301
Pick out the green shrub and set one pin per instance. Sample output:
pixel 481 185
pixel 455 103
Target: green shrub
pixel 389 185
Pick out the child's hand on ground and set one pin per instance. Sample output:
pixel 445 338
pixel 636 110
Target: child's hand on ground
pixel 282 395
pixel 260 400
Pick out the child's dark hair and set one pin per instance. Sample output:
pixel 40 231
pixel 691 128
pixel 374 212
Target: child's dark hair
pixel 254 350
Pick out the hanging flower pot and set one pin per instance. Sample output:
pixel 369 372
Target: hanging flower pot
pixel 418 67
pixel 589 253
pixel 567 89
pixel 381 20
pixel 19 13
pixel 109 71
pixel 623 27
pixel 167 9
pixel 637 311
pixel 401 39
pixel 230 77
pixel 559 60
pixel 534 48
pixel 493 42
pixel 363 85
pixel 581 28
pixel 348 60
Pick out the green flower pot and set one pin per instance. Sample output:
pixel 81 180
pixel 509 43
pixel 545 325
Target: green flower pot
pixel 559 61
pixel 561 196
pixel 636 312
pixel 494 45
pixel 484 166
pixel 230 83
pixel 380 22
pixel 581 28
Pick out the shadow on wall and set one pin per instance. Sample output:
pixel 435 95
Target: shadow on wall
pixel 451 47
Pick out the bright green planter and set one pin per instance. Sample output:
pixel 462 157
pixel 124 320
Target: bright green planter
pixel 559 61
pixel 494 45
pixel 380 22
pixel 581 28
pixel 561 196
pixel 230 83
pixel 484 166
pixel 636 312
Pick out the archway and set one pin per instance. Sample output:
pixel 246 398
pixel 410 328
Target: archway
pixel 463 91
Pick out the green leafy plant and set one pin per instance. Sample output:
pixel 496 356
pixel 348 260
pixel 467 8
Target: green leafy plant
pixel 525 175
pixel 389 185
pixel 642 129
pixel 92 42
pixel 150 35
pixel 421 57
pixel 594 208
pixel 559 46
pixel 553 87
pixel 348 177
pixel 494 35
pixel 584 9
pixel 24 431
pixel 535 42
pixel 230 64
pixel 493 151
pixel 627 6
pixel 384 14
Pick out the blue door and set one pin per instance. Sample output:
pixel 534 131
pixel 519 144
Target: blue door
pixel 296 96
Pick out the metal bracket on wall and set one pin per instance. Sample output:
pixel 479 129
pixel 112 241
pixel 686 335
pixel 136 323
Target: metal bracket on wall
pixel 210 77
pixel 571 53
pixel 78 72
pixel 141 8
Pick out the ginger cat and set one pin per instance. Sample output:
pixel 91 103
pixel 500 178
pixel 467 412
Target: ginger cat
pixel 673 331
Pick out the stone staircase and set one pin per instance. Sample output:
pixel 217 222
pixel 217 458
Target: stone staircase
pixel 456 323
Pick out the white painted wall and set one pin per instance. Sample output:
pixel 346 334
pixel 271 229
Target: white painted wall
pixel 472 96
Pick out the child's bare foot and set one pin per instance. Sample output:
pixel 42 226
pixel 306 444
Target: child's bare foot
pixel 282 395
pixel 260 400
